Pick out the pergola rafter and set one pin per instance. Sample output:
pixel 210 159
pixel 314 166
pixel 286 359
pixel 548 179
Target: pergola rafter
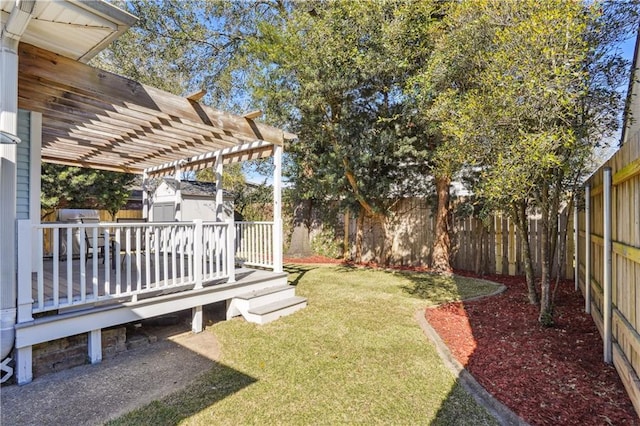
pixel 93 118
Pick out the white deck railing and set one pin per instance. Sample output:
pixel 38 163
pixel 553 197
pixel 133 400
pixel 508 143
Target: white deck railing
pixel 101 262
pixel 255 244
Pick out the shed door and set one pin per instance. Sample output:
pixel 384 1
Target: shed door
pixel 163 212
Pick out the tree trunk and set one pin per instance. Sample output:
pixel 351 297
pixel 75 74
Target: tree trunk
pixel 359 235
pixel 554 219
pixel 346 248
pixel 300 245
pixel 522 228
pixel 546 309
pixel 562 250
pixel 440 259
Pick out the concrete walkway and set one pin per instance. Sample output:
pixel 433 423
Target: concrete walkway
pixel 94 394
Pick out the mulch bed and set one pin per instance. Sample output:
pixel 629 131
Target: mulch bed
pixel 548 376
pixel 315 259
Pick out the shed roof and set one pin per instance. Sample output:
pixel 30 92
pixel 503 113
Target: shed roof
pixel 192 187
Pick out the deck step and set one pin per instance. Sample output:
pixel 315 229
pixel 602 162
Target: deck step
pixel 265 292
pixel 272 311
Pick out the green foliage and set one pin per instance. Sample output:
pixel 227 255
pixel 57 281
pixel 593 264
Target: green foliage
pixel 524 90
pixel 62 185
pixel 526 94
pixel 75 187
pixel 253 202
pixel 326 244
pixel 186 46
pixel 332 72
pixel 111 190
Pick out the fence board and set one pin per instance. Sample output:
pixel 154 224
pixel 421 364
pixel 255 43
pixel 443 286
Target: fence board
pixel 411 231
pixel 625 210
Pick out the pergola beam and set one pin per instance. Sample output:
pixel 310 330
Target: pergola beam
pixel 210 157
pixel 253 114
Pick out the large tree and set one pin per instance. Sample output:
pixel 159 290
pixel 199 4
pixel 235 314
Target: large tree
pixel 332 71
pixel 531 118
pixel 438 85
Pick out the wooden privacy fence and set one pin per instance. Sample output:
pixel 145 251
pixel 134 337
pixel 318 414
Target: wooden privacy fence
pixel 609 260
pixel 492 248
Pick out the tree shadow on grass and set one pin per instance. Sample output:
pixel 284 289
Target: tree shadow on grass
pixel 456 407
pixel 297 272
pixel 439 289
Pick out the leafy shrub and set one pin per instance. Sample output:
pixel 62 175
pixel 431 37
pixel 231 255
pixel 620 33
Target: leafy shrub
pixel 324 243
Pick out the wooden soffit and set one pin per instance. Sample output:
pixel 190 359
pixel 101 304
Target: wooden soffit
pixel 93 118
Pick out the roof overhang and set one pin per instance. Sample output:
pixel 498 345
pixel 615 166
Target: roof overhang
pixel 93 118
pixel 71 28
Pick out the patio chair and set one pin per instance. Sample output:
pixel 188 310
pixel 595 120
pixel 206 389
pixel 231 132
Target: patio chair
pixel 88 238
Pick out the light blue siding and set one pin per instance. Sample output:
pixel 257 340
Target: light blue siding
pixel 24 152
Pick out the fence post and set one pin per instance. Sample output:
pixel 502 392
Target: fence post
pixel 197 252
pixel 587 249
pixel 607 338
pixel 231 249
pixel 576 241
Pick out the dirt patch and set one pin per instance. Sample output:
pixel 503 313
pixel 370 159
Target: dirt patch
pixel 548 376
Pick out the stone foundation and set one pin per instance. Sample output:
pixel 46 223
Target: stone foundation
pixel 72 351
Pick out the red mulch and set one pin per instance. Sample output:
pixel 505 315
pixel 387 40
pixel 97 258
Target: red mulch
pixel 548 376
pixel 316 258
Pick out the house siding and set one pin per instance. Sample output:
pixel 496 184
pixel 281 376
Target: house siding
pixel 23 163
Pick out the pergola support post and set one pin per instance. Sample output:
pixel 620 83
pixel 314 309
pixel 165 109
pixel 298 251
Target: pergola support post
pixel 277 208
pixel 177 207
pixel 219 169
pixel 145 196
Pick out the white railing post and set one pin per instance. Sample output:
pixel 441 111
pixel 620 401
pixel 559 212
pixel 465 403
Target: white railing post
pixel 607 302
pixel 197 252
pixel 231 250
pixel 25 297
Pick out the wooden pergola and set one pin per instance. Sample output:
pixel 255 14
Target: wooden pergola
pixel 97 119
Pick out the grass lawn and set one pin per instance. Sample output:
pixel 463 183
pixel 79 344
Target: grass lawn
pixel 354 355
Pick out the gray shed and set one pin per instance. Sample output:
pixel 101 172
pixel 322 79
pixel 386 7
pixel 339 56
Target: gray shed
pixel 175 200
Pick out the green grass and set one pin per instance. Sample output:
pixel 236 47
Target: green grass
pixel 354 355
